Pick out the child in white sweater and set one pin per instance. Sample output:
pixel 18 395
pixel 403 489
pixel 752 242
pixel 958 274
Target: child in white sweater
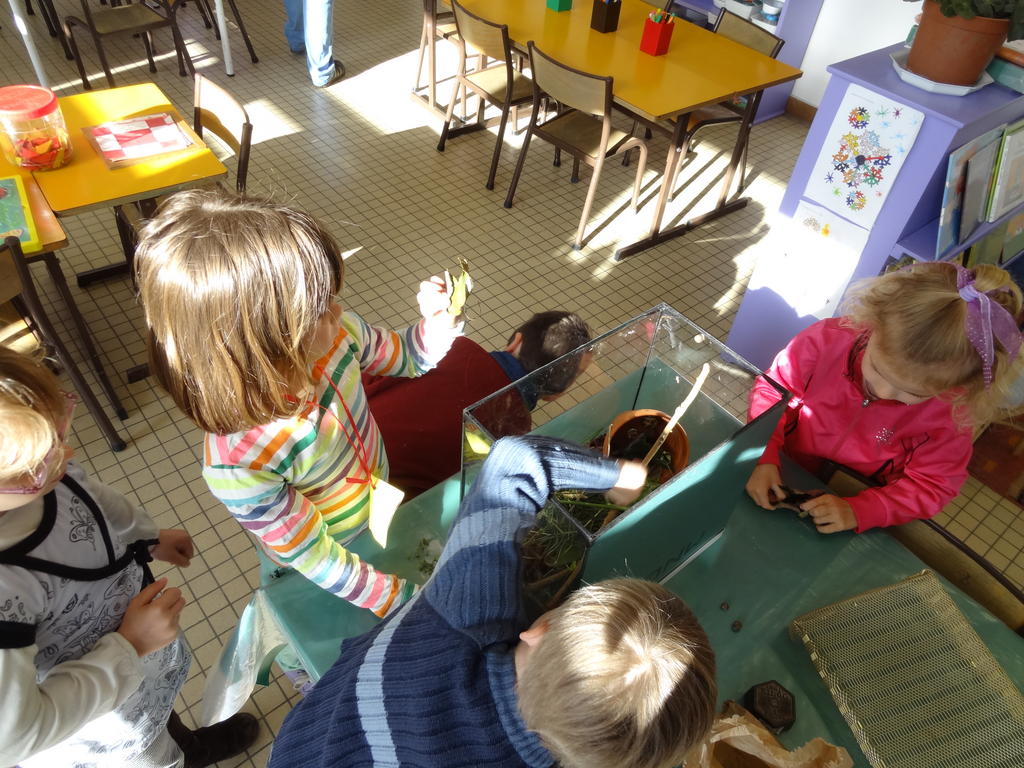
pixel 91 655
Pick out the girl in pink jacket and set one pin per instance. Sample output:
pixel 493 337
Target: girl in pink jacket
pixel 892 390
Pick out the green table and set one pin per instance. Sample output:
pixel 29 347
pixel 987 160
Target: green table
pixel 769 567
pixel 699 535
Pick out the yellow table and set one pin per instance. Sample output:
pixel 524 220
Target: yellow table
pixel 700 68
pixel 86 183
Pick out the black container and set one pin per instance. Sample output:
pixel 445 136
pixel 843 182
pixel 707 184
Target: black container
pixel 605 17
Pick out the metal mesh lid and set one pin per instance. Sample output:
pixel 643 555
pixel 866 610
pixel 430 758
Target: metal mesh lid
pixel 917 686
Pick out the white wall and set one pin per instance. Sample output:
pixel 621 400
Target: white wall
pixel 848 28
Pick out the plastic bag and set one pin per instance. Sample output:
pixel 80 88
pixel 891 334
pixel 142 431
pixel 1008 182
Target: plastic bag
pixel 738 740
pixel 244 661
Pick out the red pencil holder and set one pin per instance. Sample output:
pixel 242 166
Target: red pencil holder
pixel 656 37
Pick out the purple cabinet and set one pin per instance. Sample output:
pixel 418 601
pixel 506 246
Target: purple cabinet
pixel 908 221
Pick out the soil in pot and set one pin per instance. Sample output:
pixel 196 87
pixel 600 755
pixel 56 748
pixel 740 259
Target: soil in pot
pixel 553 551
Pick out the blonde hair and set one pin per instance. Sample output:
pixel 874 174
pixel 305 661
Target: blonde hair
pixel 917 318
pixel 31 408
pixel 623 678
pixel 233 289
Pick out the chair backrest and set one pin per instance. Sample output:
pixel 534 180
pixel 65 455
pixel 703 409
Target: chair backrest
pixel 484 36
pixel 220 113
pixel 746 32
pixel 16 275
pixel 583 91
pixel 10 274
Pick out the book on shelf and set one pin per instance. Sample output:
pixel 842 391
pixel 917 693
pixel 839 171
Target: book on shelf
pixel 894 263
pixel 951 213
pixel 1014 244
pixel 977 187
pixel 988 250
pixel 1008 179
pixel 16 215
pixel 126 142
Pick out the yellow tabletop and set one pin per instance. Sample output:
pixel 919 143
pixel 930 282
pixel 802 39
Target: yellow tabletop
pixel 87 183
pixel 51 234
pixel 700 68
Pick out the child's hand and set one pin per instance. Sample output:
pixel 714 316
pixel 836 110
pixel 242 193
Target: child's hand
pixel 175 547
pixel 433 299
pixel 831 513
pixel 627 489
pixel 151 621
pixel 764 481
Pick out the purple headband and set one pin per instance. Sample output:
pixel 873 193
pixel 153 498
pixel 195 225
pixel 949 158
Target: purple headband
pixel 985 319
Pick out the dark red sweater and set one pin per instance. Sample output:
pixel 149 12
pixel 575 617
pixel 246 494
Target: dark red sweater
pixel 420 419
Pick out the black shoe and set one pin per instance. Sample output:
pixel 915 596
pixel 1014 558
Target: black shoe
pixel 206 746
pixel 299 52
pixel 339 73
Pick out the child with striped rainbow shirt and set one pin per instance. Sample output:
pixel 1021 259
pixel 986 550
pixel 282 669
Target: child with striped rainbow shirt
pixel 247 337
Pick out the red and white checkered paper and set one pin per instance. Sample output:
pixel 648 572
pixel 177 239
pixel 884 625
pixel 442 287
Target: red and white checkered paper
pixel 139 137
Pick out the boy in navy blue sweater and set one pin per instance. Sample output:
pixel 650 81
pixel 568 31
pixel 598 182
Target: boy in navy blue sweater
pixel 619 676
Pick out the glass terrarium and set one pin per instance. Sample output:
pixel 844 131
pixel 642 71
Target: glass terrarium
pixel 648 364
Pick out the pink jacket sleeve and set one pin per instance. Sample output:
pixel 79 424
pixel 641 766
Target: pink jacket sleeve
pixel 792 368
pixel 933 476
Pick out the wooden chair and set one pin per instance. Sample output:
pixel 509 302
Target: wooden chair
pixel 744 32
pixel 52 21
pixel 210 22
pixel 133 19
pixel 215 111
pixel 498 84
pixel 584 130
pixel 947 556
pixel 17 286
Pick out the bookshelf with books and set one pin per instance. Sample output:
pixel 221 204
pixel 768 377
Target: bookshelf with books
pixel 977 208
pixel 908 221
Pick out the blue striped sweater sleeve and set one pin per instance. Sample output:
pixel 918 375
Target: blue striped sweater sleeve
pixel 476 585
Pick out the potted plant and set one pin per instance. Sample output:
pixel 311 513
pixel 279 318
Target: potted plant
pixel 956 39
pixel 555 549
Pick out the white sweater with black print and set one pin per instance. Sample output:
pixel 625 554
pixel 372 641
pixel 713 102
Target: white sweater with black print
pixel 75 692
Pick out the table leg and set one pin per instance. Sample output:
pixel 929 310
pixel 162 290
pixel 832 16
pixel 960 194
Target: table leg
pixel 675 148
pixel 432 55
pixel 430 25
pixel 225 43
pixel 127 237
pixel 30 44
pixel 722 208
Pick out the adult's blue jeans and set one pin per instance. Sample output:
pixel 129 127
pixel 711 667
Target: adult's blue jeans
pixel 309 25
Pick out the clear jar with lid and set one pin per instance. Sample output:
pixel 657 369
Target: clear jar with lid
pixel 34 135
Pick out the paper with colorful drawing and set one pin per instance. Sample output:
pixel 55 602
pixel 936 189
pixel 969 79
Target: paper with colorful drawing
pixel 866 146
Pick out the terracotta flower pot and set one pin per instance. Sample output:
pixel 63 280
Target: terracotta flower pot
pixel 954 49
pixel 633 432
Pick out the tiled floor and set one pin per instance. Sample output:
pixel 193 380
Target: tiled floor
pixel 361 157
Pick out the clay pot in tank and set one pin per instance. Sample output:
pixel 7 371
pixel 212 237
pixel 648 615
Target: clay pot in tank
pixel 954 49
pixel 632 433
